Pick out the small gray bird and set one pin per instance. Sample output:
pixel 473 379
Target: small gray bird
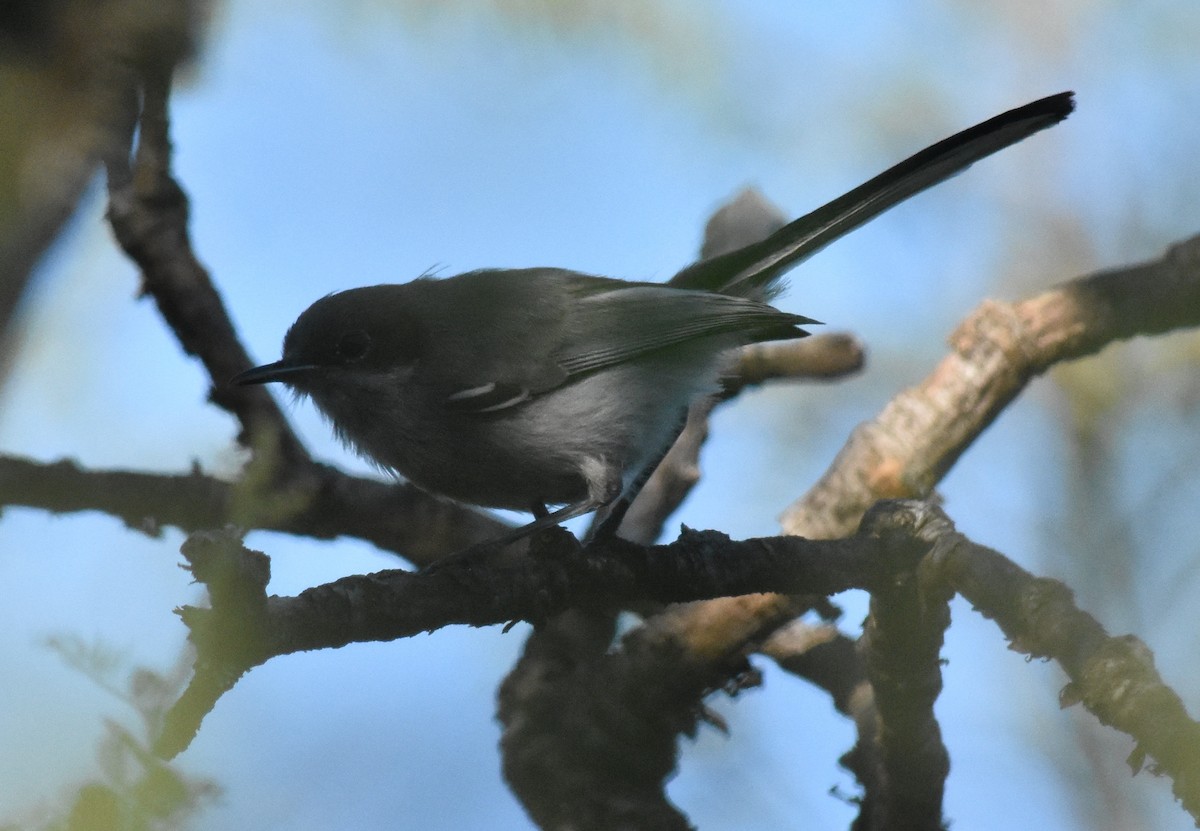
pixel 524 388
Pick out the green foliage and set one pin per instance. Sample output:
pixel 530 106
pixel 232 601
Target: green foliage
pixel 132 789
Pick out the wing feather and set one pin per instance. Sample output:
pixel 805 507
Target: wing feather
pixel 651 318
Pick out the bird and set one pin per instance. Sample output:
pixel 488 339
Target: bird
pixel 529 388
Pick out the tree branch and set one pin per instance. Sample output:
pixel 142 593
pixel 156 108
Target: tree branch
pixel 901 644
pixel 393 516
pixel 996 352
pixel 553 744
pixel 148 211
pixel 1113 677
pixel 485 587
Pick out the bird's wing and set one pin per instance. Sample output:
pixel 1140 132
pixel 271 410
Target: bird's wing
pixel 491 336
pixel 564 325
pixel 623 323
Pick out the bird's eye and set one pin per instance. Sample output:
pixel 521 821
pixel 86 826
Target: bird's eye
pixel 353 345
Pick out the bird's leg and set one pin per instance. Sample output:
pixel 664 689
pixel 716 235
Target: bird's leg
pixel 544 519
pixel 604 491
pixel 606 526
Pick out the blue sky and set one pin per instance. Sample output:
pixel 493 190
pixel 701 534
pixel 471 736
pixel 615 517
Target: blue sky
pixel 325 148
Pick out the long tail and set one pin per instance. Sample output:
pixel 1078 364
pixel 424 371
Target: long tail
pixel 750 271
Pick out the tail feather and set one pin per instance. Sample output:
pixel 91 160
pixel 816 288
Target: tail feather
pixel 752 271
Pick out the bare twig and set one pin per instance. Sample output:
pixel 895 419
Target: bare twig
pixel 995 353
pixel 824 357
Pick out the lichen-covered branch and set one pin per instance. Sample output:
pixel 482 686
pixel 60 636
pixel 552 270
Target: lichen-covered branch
pixel 1113 677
